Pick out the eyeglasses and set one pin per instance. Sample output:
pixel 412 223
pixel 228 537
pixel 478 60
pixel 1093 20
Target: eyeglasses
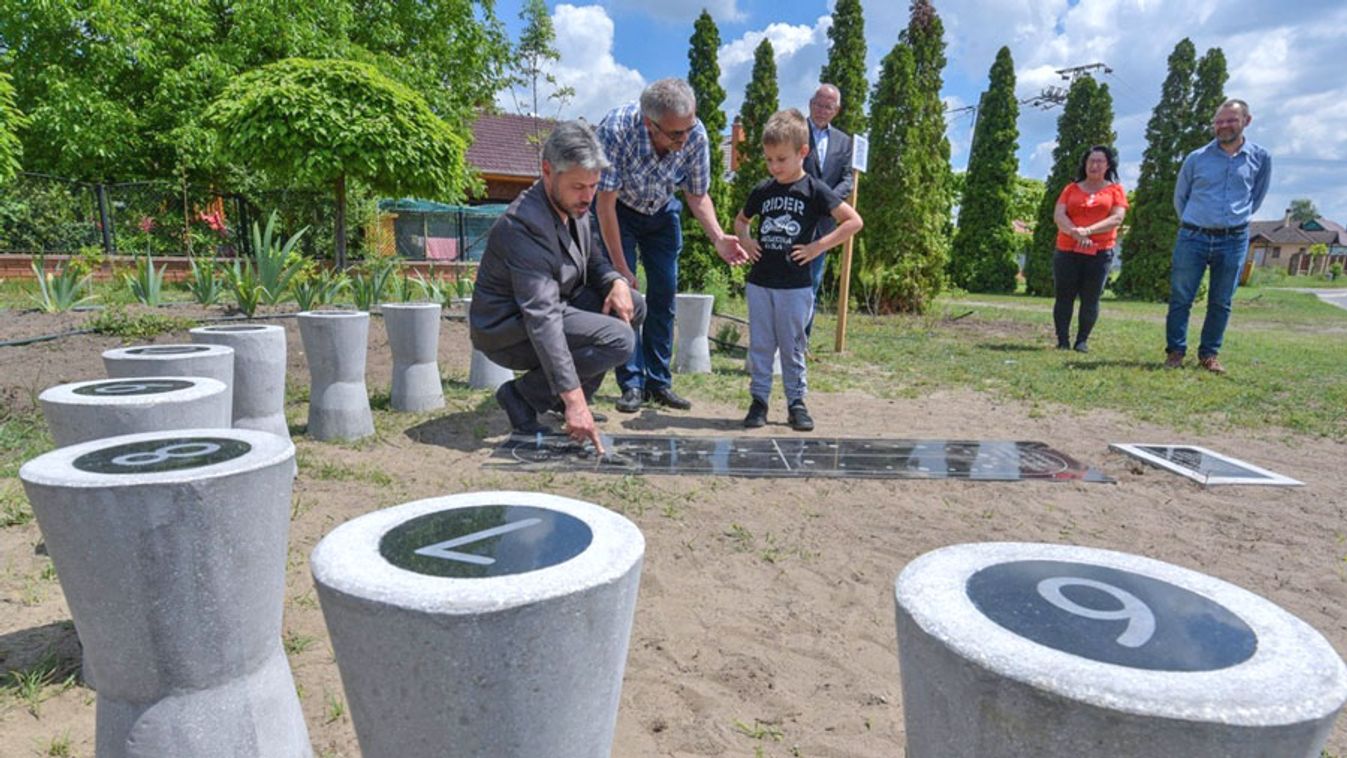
pixel 674 135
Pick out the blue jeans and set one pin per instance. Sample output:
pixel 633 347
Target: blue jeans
pixel 1194 253
pixel 658 238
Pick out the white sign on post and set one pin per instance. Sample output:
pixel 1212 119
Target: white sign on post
pixel 860 152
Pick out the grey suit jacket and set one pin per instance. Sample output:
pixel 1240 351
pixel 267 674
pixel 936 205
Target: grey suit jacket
pixel 529 272
pixel 836 171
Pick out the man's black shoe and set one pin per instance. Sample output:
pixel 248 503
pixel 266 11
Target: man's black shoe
pixel 666 396
pixel 757 414
pixel 522 418
pixel 630 402
pixel 798 417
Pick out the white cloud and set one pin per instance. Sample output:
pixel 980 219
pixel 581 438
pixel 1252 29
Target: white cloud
pixel 585 43
pixel 800 52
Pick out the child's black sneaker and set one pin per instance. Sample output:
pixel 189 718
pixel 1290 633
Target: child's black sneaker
pixel 757 414
pixel 798 416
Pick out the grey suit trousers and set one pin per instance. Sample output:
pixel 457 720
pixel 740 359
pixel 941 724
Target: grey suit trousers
pixel 597 343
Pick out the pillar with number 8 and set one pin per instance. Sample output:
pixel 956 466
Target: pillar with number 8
pixel 1012 650
pixel 170 548
pixel 83 411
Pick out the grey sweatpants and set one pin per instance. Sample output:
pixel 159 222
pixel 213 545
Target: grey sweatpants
pixel 776 321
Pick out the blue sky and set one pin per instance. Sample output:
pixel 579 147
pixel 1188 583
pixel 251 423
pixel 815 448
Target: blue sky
pixel 1285 58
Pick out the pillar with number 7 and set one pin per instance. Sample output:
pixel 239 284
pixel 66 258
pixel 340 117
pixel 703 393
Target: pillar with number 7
pixel 1014 650
pixel 170 548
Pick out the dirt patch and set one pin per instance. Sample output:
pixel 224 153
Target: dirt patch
pixel 766 606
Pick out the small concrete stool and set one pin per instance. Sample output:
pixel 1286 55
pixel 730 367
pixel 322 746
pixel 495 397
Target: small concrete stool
pixel 259 372
pixel 214 361
pixel 335 344
pixel 692 322
pixel 484 624
pixel 85 411
pixel 171 548
pixel 484 374
pixel 414 340
pixel 1012 650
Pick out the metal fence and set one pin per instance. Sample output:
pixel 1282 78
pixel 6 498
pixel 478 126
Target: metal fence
pixel 440 233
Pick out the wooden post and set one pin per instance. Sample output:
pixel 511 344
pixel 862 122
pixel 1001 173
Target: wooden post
pixel 844 290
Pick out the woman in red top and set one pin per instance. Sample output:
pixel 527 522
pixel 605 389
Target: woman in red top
pixel 1088 214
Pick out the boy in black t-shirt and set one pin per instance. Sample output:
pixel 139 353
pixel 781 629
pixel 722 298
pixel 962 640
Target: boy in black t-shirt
pixel 780 292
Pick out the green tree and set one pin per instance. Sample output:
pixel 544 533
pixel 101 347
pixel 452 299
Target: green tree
pixel 316 123
pixel 760 102
pixel 1208 94
pixel 699 257
pixel 1152 222
pixel 983 255
pixel 906 198
pixel 1303 210
pixel 11 120
pixel 535 50
pixel 1087 119
pixel 845 68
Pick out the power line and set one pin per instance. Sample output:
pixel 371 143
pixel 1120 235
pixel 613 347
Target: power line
pixel 1053 96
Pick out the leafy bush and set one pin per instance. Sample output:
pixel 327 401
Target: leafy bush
pixel 369 281
pixel 118 323
pixel 244 285
pixel 204 283
pixel 60 291
pixel 277 263
pixel 318 289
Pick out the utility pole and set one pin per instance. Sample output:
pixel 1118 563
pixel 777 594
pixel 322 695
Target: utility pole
pixel 1053 96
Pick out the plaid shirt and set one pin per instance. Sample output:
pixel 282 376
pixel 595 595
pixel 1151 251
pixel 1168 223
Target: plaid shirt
pixel 643 180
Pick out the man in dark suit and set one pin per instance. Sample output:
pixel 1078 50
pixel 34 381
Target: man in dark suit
pixel 829 160
pixel 547 301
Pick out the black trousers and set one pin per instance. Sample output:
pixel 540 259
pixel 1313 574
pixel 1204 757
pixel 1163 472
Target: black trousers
pixel 1078 275
pixel 597 343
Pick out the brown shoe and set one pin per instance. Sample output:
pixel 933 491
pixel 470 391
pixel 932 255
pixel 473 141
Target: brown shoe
pixel 1211 364
pixel 1173 359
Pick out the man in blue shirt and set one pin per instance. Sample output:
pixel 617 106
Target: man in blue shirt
pixel 656 147
pixel 1220 186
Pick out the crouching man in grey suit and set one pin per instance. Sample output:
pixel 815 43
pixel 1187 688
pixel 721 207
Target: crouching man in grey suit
pixel 547 301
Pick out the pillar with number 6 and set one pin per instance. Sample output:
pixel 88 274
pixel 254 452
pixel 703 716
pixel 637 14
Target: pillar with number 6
pixel 1014 650
pixel 484 625
pixel 170 547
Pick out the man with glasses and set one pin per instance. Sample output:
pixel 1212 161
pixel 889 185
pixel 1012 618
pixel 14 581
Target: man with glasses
pixel 656 147
pixel 1220 186
pixel 829 161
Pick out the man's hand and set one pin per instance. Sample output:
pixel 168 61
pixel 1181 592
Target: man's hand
pixel 803 254
pixel 579 419
pixel 730 251
pixel 752 250
pixel 618 303
pixel 628 278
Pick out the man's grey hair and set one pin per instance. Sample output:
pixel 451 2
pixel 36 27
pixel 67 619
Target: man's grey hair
pixel 573 144
pixel 666 97
pixel 829 88
pixel 1236 104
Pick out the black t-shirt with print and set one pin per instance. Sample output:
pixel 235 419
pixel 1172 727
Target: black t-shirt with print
pixel 789 213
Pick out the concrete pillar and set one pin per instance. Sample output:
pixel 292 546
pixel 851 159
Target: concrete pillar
pixel 692 322
pixel 84 411
pixel 214 361
pixel 483 374
pixel 171 547
pixel 1012 650
pixel 335 345
pixel 414 339
pixel 259 372
pixel 484 624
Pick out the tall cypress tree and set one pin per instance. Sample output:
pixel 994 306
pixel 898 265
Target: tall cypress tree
pixel 845 68
pixel 983 256
pixel 699 255
pixel 760 102
pixel 908 199
pixel 1152 223
pixel 1087 119
pixel 1208 94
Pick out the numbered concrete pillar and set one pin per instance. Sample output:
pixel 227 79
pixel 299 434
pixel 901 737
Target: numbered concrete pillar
pixel 483 374
pixel 1011 650
pixel 85 411
pixel 692 322
pixel 335 345
pixel 214 361
pixel 259 372
pixel 485 624
pixel 414 340
pixel 170 548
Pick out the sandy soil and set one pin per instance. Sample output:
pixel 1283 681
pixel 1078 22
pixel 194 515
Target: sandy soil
pixel 765 624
